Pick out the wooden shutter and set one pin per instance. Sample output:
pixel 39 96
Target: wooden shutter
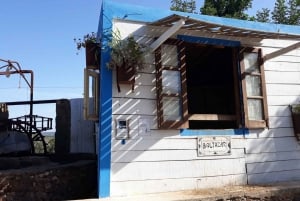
pixel 254 90
pixel 172 104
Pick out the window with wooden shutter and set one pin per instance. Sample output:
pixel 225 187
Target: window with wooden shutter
pixel 254 91
pixel 171 85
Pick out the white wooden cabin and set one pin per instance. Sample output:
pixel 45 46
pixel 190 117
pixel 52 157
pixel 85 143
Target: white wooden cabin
pixel 210 108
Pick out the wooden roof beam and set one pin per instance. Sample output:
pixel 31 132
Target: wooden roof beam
pixel 281 51
pixel 172 30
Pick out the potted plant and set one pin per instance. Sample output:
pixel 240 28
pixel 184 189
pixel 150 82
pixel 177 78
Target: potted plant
pixel 127 56
pixel 91 45
pixel 295 110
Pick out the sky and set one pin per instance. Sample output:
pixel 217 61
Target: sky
pixel 39 35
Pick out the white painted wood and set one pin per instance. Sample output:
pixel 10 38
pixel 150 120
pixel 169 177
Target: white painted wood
pixel 282 51
pixel 283 89
pixel 282 66
pixel 130 187
pixel 134 106
pixel 134 120
pixel 165 185
pixel 264 145
pixel 282 77
pixel 283 100
pixel 221 181
pixel 174 169
pixel 279 111
pixel 272 177
pixel 139 91
pixel 280 122
pixel 273 156
pixel 273 166
pixel 271 133
pixel 168 155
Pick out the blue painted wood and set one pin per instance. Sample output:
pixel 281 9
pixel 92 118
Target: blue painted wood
pixel 105 112
pixel 192 132
pixel 209 41
pixel 147 14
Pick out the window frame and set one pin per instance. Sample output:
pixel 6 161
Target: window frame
pixel 241 98
pixel 172 124
pixel 264 123
pixel 94 115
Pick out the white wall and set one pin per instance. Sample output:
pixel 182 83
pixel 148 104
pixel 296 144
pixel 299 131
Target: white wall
pixel 162 160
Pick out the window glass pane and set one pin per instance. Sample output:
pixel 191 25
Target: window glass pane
pixel 171 108
pixel 171 82
pixel 255 109
pixel 251 62
pixel 169 55
pixel 253 85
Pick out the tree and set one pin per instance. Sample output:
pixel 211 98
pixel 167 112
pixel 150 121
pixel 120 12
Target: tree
pixel 286 13
pixel 263 15
pixel 226 8
pixel 279 14
pixel 188 6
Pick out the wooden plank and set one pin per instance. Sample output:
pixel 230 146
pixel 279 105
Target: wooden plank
pixel 280 122
pixel 133 106
pixel 281 51
pixel 275 77
pixel 264 145
pixel 166 185
pixel 283 89
pixel 176 169
pixel 283 100
pixel 134 120
pixel 270 133
pixel 273 156
pixel 279 111
pixel 130 187
pixel 147 92
pixel 165 143
pixel 282 66
pixel 168 155
pixel 212 117
pixel 274 166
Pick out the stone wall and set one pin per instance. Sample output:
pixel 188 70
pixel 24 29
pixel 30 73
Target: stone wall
pixel 53 181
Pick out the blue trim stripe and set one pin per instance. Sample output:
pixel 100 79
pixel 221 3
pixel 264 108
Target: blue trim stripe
pixel 209 41
pixel 192 132
pixel 105 113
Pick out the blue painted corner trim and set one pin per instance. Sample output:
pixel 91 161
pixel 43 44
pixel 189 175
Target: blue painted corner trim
pixel 194 132
pixel 209 41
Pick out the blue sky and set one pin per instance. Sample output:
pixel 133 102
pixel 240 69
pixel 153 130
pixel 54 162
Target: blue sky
pixel 39 35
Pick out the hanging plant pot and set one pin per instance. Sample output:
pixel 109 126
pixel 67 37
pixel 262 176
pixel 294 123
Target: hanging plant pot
pixel 295 110
pixel 92 55
pixel 125 75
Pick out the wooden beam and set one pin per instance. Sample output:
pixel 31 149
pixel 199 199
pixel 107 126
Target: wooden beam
pixel 281 51
pixel 212 117
pixel 172 30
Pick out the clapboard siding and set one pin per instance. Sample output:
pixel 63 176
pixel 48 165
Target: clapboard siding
pixel 167 155
pixel 273 166
pixel 283 100
pixel 177 169
pixel 282 77
pixel 263 145
pixel 271 177
pixel 282 66
pixel 282 89
pixel 272 156
pixel 163 185
pixel 270 133
pixel 162 160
